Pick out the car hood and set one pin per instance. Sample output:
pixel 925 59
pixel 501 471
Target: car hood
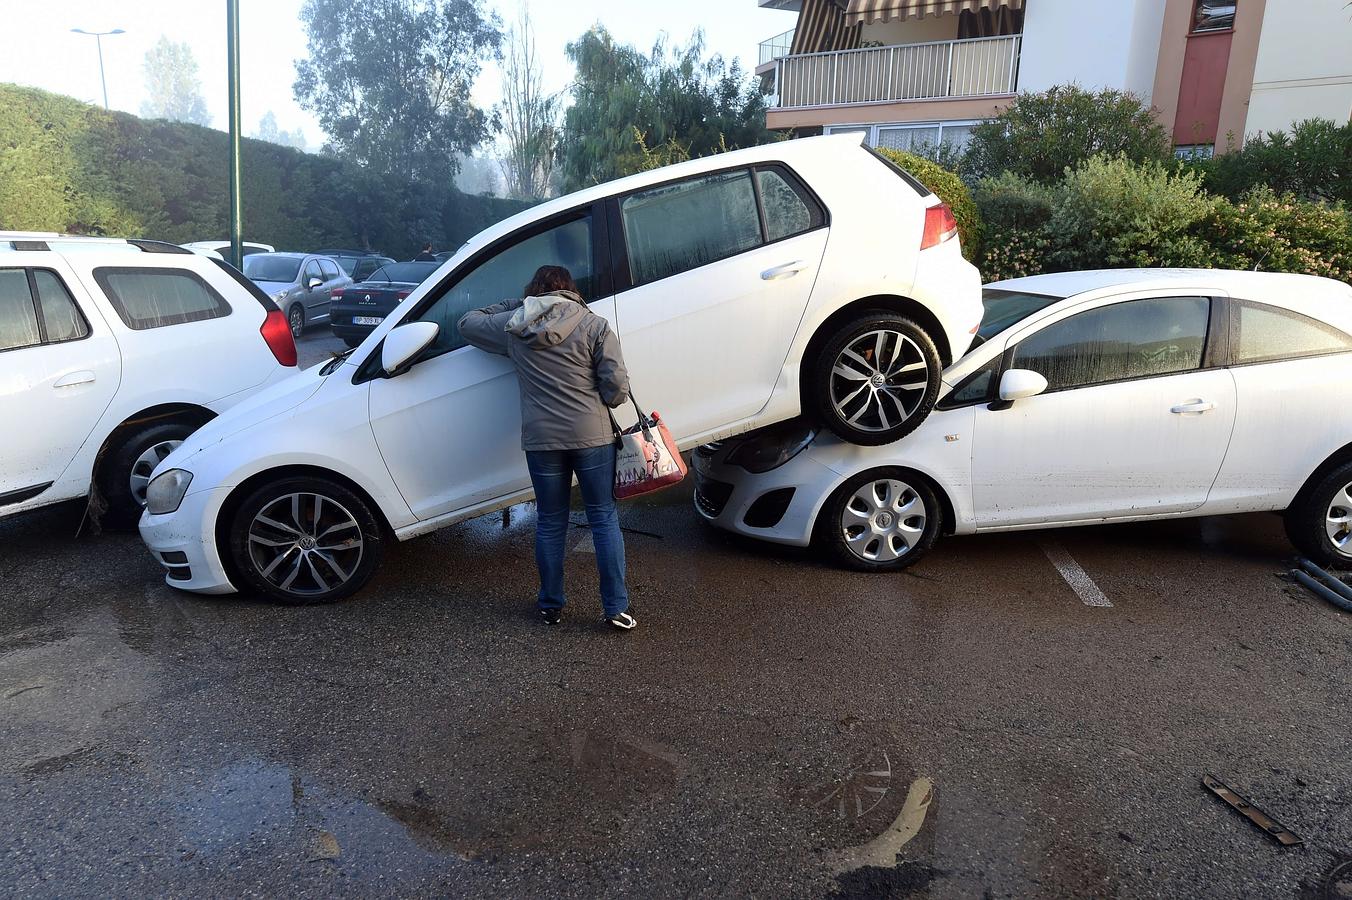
pixel 272 287
pixel 272 401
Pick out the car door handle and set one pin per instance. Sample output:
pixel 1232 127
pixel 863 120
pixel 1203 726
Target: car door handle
pixel 74 378
pixel 788 270
pixel 1193 407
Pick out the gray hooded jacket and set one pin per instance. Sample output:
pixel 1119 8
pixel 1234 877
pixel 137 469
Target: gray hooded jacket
pixel 568 365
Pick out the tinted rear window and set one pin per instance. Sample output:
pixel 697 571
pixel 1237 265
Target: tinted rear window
pixel 263 267
pixel 409 272
pixel 154 298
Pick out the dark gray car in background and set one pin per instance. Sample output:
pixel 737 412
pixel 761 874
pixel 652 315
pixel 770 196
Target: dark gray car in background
pixel 301 284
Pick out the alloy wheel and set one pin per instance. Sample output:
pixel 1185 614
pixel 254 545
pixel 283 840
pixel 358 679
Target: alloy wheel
pixel 145 464
pixel 305 544
pixel 879 380
pixel 883 520
pixel 296 319
pixel 1338 521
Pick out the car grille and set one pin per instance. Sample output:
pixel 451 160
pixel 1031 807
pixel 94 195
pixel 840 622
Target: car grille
pixel 711 496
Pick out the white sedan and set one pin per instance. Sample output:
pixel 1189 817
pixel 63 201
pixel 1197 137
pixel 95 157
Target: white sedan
pixel 1109 396
pixel 743 286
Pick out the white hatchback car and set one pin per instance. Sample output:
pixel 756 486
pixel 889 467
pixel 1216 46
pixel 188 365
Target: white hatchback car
pixel 742 287
pixel 111 353
pixel 1097 397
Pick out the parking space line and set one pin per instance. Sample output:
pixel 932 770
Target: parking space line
pixel 1074 575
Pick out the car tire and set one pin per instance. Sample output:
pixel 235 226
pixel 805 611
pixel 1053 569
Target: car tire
pixel 304 540
pixel 881 520
pixel 869 405
pixel 1319 523
pixel 295 317
pixel 352 342
pixel 125 471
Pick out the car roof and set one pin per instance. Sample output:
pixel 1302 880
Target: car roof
pixel 289 254
pixel 786 151
pixel 1231 281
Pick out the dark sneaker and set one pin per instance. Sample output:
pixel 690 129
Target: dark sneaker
pixel 624 621
pixel 551 616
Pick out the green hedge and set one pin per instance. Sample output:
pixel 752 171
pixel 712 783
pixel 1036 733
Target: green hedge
pixel 949 187
pixel 71 167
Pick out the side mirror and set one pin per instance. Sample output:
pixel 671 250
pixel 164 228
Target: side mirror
pixel 1019 384
pixel 313 283
pixel 404 343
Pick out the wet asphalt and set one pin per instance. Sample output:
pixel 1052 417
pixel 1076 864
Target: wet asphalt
pixel 758 735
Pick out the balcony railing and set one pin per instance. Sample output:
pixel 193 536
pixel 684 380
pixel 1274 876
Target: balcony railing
pixel 943 69
pixel 775 47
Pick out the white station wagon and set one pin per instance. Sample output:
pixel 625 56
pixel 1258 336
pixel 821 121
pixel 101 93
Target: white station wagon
pixel 743 286
pixel 1096 397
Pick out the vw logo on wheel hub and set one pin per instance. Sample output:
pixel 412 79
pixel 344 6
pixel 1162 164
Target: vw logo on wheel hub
pixel 878 380
pixel 307 543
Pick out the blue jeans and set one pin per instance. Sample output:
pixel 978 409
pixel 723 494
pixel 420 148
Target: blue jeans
pixel 551 472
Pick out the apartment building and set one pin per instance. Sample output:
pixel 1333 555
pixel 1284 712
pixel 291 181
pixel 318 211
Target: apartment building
pixel 915 72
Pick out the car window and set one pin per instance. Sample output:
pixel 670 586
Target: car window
pixel 155 298
pixel 311 271
pixel 362 269
pixel 1262 333
pixel 349 264
pixel 61 317
pixel 505 276
pixel 1135 339
pixel 787 211
pixel 975 388
pixel 677 227
pixel 18 318
pixel 262 267
pixel 330 270
pixel 1001 309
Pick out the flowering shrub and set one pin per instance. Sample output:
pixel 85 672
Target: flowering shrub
pixel 1280 233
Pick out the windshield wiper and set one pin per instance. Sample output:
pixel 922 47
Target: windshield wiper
pixel 332 365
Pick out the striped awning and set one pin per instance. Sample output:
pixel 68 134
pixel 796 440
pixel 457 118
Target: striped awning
pixel 862 12
pixel 822 27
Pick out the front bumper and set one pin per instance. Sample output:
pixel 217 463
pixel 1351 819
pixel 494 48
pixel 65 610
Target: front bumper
pixel 184 543
pixel 779 506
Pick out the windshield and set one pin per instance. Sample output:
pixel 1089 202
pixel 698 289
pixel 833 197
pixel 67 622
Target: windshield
pixel 348 263
pixel 408 273
pixel 260 267
pixel 1006 308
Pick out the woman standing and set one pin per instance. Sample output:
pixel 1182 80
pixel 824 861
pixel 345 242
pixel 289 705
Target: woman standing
pixel 571 375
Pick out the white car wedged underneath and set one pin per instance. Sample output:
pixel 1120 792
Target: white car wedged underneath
pixel 1096 397
pixel 744 287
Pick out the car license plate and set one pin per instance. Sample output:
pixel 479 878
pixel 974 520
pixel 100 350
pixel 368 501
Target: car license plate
pixel 367 320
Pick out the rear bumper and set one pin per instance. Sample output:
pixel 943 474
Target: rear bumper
pixel 183 542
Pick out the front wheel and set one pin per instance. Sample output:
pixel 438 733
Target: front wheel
pixel 1320 523
pixel 876 379
pixel 295 317
pixel 305 540
pixel 881 520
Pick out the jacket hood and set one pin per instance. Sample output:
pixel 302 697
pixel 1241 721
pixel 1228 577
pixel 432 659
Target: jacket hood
pixel 547 320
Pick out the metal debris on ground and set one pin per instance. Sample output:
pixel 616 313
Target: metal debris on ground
pixel 1276 830
pixel 1325 585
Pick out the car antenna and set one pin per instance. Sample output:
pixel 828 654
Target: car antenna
pixel 1261 258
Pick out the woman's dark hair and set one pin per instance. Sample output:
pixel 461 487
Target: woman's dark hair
pixel 548 279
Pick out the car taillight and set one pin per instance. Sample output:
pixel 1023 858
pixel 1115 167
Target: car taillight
pixel 277 335
pixel 336 294
pixel 402 294
pixel 939 226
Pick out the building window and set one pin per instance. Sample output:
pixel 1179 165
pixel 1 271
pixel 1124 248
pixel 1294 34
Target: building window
pixel 922 138
pixel 1195 151
pixel 1213 15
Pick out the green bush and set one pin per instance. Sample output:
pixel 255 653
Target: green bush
pixel 950 189
pixel 1014 214
pixel 1313 162
pixel 1040 136
pixel 1112 212
pixel 1279 233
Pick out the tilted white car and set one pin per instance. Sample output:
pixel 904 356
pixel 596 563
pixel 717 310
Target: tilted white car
pixel 741 285
pixel 111 353
pixel 1097 397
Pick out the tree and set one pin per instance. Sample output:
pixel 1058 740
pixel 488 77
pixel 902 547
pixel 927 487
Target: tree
pixel 390 81
pixel 529 117
pixel 1039 136
pixel 268 131
pixel 672 98
pixel 175 91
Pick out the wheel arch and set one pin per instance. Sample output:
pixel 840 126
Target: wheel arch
pixel 242 490
pixel 1335 459
pixel 945 502
pixel 189 412
pixel 893 303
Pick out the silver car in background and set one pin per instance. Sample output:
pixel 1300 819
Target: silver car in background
pixel 301 284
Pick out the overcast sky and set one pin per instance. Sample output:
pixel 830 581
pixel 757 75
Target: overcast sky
pixel 41 51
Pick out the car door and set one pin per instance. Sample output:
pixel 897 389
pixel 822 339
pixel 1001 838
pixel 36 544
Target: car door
pixel 59 370
pixel 714 276
pixel 317 297
pixel 450 427
pixel 1135 421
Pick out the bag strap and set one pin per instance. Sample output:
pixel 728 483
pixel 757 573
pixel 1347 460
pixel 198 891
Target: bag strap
pixel 642 417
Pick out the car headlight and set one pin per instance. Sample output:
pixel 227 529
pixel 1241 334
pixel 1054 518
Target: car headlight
pixel 773 447
pixel 165 491
pixel 280 295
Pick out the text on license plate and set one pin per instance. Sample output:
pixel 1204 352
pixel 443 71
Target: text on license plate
pixel 367 320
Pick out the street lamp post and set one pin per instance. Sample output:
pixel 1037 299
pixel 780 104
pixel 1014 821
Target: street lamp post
pixel 98 39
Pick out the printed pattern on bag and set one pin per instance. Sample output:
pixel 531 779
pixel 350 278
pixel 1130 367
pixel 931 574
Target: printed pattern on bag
pixel 647 462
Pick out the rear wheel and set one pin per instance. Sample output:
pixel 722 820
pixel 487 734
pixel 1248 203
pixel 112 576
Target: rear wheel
pixel 1319 523
pixel 305 540
pixel 295 317
pixel 876 379
pixel 352 342
pixel 125 472
pixel 881 520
